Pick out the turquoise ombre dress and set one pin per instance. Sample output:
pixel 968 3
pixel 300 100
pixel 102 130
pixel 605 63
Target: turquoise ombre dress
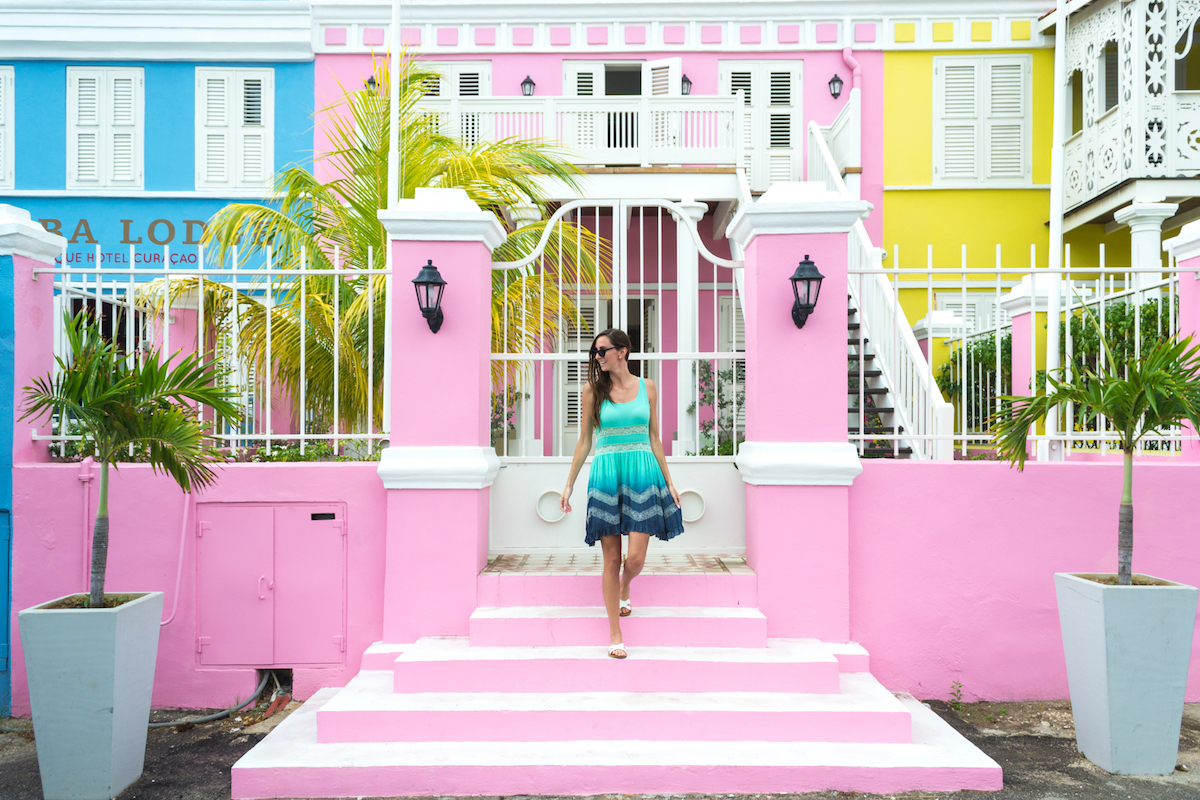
pixel 626 488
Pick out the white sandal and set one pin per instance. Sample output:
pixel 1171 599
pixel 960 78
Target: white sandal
pixel 617 648
pixel 626 607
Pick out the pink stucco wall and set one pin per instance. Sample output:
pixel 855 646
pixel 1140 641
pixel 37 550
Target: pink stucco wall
pixel 33 349
pixel 51 531
pixel 951 566
pixel 334 71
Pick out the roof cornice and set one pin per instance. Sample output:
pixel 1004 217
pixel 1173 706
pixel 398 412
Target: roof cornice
pixel 156 30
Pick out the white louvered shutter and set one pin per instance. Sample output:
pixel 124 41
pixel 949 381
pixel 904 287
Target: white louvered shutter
pixel 214 129
pixel 1005 127
pixel 583 79
pixel 104 127
pixel 783 122
pixel 957 110
pixel 7 159
pixel 123 137
pixel 772 131
pixel 85 128
pixel 578 340
pixel 234 128
pixel 981 120
pixel 664 77
pixel 254 128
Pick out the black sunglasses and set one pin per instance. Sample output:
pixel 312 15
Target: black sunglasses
pixel 600 352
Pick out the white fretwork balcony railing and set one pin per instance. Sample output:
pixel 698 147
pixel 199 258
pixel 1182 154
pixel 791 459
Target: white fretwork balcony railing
pixel 1134 118
pixel 606 131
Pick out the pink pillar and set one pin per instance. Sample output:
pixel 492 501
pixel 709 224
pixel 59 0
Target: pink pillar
pixel 31 248
pixel 1186 249
pixel 797 462
pixel 439 466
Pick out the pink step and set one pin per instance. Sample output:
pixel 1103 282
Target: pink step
pixel 290 762
pixel 542 626
pixel 735 588
pixel 367 710
pixel 454 665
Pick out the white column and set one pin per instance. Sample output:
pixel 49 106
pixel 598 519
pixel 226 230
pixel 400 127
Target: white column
pixel 1145 221
pixel 528 445
pixel 687 301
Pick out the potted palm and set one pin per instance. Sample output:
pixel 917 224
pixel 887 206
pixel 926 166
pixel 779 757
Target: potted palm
pixel 90 658
pixel 1127 637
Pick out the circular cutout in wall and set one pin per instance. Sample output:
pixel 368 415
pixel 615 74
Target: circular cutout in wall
pixel 547 507
pixel 692 505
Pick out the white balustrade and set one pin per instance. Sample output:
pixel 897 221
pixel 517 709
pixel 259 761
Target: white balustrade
pixel 643 131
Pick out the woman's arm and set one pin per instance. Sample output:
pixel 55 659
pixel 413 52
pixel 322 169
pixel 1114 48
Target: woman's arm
pixel 655 442
pixel 582 447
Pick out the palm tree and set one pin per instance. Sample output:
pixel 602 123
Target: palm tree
pixel 322 224
pixel 121 403
pixel 1139 398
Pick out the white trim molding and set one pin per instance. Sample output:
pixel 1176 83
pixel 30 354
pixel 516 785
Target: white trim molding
pixel 21 236
pixel 798 463
pixel 156 30
pixel 1186 245
pixel 442 215
pixel 627 26
pixel 800 207
pixel 438 467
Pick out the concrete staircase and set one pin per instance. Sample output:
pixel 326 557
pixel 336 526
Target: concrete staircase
pixel 530 703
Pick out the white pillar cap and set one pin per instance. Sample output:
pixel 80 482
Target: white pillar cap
pixel 796 207
pixel 21 236
pixel 446 215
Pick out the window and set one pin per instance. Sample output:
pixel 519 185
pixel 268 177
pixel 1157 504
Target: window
pixel 235 128
pixel 459 79
pixel 462 79
pixel 6 128
pixel 1109 78
pixel 981 120
pixel 1075 90
pixel 104 127
pixel 773 126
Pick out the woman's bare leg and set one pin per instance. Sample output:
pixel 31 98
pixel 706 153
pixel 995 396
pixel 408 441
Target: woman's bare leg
pixel 635 559
pixel 611 583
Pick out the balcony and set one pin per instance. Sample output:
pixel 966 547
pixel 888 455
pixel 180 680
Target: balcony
pixel 607 131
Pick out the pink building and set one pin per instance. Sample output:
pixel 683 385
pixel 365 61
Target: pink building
pixel 437 611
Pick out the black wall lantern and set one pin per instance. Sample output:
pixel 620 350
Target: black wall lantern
pixel 371 84
pixel 527 86
pixel 429 285
pixel 686 86
pixel 835 86
pixel 806 286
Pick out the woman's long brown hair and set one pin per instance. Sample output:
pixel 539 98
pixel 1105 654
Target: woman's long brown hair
pixel 598 379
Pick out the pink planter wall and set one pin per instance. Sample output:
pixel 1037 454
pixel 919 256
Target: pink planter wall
pixel 951 566
pixel 50 558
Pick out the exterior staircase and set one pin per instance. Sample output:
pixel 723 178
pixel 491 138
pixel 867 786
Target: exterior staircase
pixel 530 703
pixel 879 414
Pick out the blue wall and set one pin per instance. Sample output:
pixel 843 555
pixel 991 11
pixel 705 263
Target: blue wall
pixel 170 110
pixel 7 332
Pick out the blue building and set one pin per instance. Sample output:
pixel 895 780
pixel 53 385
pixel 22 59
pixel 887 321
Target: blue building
pixel 131 123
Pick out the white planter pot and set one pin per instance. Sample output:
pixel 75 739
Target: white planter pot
pixel 91 672
pixel 1127 650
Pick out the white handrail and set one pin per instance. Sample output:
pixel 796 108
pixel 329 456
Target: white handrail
pixel 919 406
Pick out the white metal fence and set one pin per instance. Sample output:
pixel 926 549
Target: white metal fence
pixel 968 334
pixel 600 264
pixel 247 314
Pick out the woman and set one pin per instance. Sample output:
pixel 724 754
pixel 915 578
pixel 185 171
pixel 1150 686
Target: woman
pixel 629 487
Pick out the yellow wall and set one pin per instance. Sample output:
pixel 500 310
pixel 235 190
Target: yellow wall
pixel 977 218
